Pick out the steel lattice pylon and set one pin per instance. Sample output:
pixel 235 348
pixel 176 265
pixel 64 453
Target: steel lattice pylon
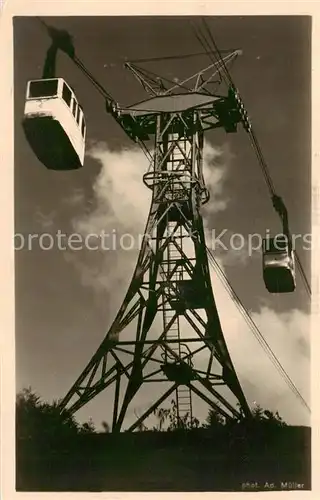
pixel 170 302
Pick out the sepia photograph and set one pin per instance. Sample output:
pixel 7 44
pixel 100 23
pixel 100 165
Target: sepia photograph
pixel 162 243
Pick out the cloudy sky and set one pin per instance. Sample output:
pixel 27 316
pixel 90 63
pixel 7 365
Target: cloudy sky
pixel 66 300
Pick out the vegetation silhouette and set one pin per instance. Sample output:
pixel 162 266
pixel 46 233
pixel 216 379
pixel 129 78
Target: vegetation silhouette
pixel 54 452
pixel 35 419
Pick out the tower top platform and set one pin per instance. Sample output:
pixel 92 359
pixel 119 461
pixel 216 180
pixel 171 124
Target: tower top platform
pixel 172 103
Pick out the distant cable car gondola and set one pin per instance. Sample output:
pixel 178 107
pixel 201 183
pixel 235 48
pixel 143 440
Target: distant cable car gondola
pixel 54 124
pixel 278 255
pixel 278 265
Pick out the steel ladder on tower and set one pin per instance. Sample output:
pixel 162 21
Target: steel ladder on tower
pixel 183 392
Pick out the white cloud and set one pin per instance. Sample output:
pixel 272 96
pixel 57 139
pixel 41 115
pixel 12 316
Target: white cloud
pixel 121 196
pixel 215 168
pixel 121 205
pixel 288 335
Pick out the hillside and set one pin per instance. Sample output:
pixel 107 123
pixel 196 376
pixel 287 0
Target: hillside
pixel 196 460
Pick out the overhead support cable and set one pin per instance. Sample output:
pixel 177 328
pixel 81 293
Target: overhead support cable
pixel 168 58
pixel 255 330
pixel 255 144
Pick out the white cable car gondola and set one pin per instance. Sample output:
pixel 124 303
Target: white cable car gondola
pixel 278 265
pixel 54 124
